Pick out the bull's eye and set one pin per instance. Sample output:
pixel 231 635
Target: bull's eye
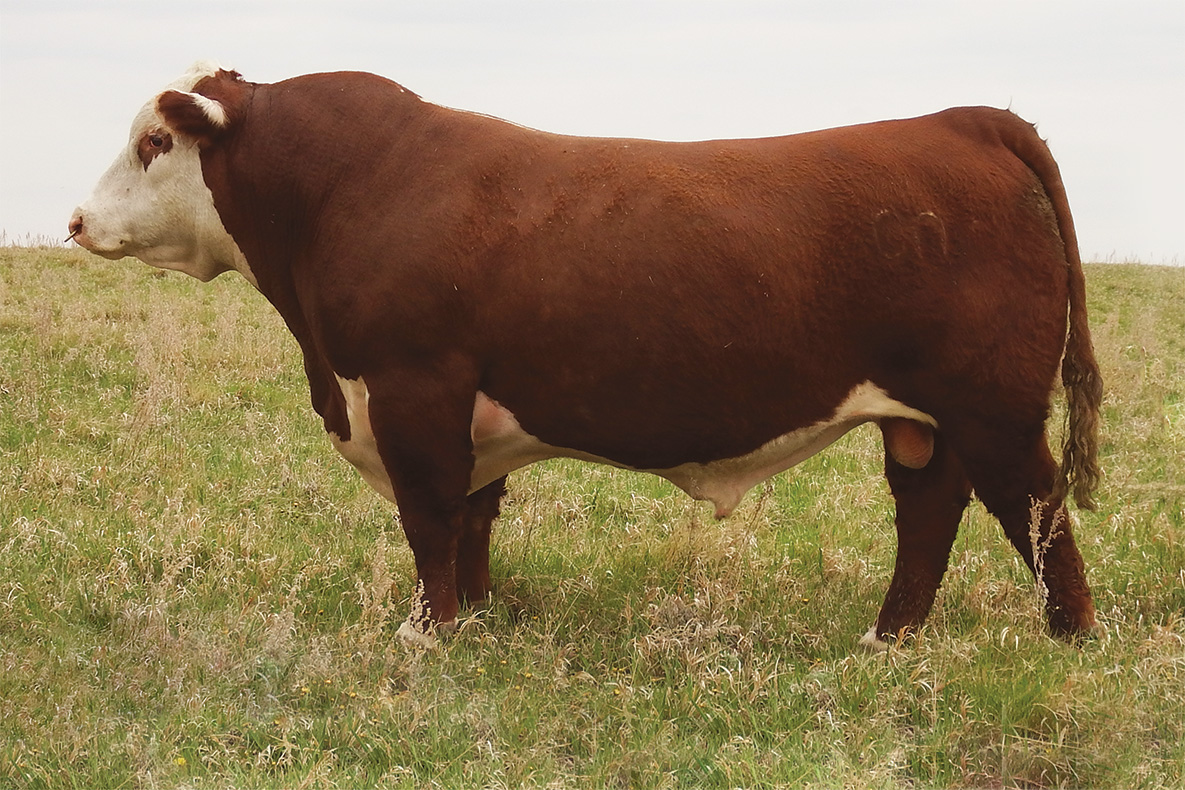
pixel 152 145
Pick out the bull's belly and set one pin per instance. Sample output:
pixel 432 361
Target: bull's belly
pixel 500 445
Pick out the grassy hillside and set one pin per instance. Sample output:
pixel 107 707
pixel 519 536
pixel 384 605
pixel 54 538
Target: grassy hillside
pixel 196 591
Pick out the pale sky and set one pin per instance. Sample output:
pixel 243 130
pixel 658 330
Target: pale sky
pixel 1103 80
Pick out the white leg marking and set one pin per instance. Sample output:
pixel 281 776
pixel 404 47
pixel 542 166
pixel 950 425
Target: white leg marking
pixel 873 643
pixel 412 636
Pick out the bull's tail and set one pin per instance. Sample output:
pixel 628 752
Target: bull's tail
pixel 1080 371
pixel 1084 393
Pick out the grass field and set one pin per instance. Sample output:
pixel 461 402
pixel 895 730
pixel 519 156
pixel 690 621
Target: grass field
pixel 196 591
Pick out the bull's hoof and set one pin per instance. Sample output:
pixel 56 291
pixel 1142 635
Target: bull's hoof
pixel 873 643
pixel 423 635
pixel 1073 625
pixel 413 636
pixel 1076 636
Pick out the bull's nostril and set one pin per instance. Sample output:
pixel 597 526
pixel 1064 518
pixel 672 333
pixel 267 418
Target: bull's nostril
pixel 75 227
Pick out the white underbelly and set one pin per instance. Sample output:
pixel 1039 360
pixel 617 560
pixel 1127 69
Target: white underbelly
pixel 500 445
pixel 361 449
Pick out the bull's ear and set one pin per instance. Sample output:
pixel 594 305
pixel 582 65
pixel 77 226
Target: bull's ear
pixel 193 114
pixel 207 112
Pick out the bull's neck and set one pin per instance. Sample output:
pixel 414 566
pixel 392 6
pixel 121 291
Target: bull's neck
pixel 274 217
pixel 287 182
pixel 291 187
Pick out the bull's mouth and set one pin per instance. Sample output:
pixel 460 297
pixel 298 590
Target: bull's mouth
pixel 110 253
pixel 80 237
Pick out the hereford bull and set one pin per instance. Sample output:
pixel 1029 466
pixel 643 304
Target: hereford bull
pixel 471 296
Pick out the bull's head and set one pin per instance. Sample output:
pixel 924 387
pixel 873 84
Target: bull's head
pixel 153 202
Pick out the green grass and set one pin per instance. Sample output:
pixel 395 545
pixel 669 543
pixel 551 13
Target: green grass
pixel 195 591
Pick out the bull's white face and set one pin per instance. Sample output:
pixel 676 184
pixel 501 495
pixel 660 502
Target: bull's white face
pixel 153 204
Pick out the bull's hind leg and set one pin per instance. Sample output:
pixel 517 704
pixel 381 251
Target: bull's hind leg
pixel 930 503
pixel 473 547
pixel 1013 474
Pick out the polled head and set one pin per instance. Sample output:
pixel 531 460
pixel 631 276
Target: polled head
pixel 153 202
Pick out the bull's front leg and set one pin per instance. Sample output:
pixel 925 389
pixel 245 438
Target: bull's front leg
pixel 473 548
pixel 422 430
pixel 433 534
pixel 453 564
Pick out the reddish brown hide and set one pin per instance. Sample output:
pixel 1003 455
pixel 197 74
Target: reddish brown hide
pixel 712 311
